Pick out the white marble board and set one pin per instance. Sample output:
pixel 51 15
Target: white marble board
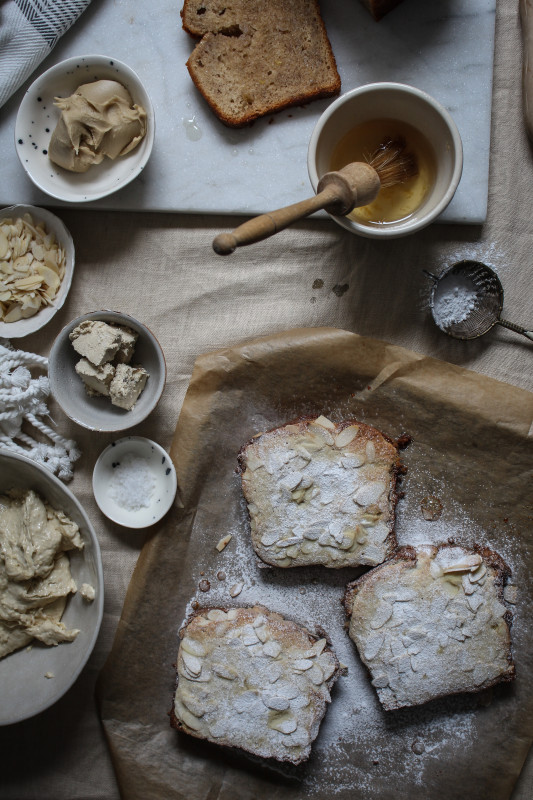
pixel 198 165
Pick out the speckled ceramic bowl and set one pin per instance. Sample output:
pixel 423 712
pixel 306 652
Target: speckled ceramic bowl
pixel 37 117
pixel 97 412
pixel 26 690
pixel 134 482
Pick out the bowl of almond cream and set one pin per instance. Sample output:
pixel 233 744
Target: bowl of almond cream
pixel 85 128
pixel 52 588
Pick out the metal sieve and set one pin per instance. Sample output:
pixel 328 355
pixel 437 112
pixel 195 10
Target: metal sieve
pixel 480 315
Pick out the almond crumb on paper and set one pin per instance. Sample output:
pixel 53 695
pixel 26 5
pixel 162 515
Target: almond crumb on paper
pixel 223 542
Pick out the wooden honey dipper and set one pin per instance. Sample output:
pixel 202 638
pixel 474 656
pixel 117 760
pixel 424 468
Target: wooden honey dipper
pixel 339 192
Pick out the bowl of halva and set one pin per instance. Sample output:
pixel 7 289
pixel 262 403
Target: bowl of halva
pixel 52 588
pixel 107 371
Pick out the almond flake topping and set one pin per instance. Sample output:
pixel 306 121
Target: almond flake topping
pixel 346 436
pixel 223 542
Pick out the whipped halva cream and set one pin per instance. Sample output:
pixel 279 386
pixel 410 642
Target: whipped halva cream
pixel 35 577
pixel 100 120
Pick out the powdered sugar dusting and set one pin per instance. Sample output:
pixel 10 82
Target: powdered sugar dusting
pixel 358 743
pixel 455 297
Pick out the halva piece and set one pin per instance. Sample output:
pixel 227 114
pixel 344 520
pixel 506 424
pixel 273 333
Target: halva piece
pixel 96 379
pixel 127 385
pixel 96 341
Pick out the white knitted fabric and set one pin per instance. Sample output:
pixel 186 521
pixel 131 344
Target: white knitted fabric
pixel 23 400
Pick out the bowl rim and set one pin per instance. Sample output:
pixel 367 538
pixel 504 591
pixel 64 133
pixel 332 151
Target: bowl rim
pixel 405 228
pixel 90 59
pixel 24 326
pixel 141 442
pixel 53 358
pixel 99 599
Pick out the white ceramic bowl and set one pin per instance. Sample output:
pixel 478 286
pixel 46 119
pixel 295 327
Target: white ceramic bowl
pixel 23 327
pixel 142 456
pixel 408 105
pixel 25 689
pixel 97 413
pixel 37 117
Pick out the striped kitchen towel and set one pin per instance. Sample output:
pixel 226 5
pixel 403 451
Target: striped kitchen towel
pixel 29 30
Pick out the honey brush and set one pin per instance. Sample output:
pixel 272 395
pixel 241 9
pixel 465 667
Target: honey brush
pixel 357 184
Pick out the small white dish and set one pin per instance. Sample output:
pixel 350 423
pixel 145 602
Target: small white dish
pixel 23 327
pixel 97 412
pixel 25 689
pixel 134 482
pixel 37 118
pixel 407 104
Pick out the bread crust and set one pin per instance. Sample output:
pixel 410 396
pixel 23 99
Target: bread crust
pixel 330 523
pixel 459 614
pixel 232 701
pixel 257 58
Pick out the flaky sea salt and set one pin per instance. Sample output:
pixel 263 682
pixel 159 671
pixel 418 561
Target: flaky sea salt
pixel 132 482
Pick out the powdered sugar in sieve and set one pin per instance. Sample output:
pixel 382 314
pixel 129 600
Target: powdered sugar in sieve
pixel 467 299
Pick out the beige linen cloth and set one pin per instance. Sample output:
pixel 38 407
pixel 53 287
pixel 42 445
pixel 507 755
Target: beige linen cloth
pixel 161 269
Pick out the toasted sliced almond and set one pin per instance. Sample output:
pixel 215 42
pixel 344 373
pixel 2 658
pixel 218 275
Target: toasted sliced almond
pixel 284 723
pixel 302 664
pixel 222 543
pixel 192 664
pixel 324 422
pixel 346 436
pixel 236 589
pixel 193 647
pixel 465 564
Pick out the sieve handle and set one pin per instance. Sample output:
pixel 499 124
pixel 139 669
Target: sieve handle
pixel 516 328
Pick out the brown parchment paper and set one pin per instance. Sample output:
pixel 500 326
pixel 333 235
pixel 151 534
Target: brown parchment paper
pixel 471 447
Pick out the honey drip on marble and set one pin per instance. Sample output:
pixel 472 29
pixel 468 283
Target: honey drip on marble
pixel 398 202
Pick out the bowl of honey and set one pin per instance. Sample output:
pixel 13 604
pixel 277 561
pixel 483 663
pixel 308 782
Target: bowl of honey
pixel 360 122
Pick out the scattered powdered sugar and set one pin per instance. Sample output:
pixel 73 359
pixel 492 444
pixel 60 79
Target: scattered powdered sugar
pixel 359 745
pixel 455 297
pixel 132 482
pixel 361 750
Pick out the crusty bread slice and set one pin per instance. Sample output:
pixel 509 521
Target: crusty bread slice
pixel 256 57
pixel 320 492
pixel 432 622
pixel 378 8
pixel 251 679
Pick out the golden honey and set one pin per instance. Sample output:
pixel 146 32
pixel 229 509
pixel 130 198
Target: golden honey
pixel 393 203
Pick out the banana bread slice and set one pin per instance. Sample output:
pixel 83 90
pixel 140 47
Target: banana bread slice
pixel 256 57
pixel 251 679
pixel 432 622
pixel 320 492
